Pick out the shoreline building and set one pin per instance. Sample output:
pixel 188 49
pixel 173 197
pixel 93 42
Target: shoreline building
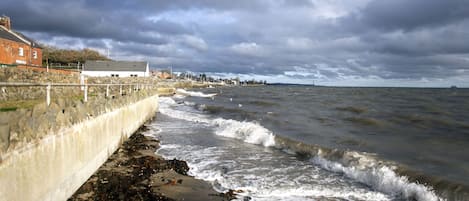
pixel 116 69
pixel 17 49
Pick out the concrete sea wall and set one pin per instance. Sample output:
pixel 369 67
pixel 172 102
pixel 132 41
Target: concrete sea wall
pixel 55 166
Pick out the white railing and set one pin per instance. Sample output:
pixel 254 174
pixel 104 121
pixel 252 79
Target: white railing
pixel 83 87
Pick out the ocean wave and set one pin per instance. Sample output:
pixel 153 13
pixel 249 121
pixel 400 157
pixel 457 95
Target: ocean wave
pixel 193 93
pixel 217 109
pixel 250 132
pixel 263 182
pixel 353 109
pixel 167 107
pixel 263 103
pixel 365 121
pixel 382 179
pixel 362 167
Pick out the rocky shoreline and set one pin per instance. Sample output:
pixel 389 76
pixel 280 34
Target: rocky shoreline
pixel 135 172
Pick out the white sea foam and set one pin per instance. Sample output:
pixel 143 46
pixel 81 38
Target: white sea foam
pixel 271 186
pixel 381 178
pixel 166 102
pixel 193 93
pixel 189 103
pixel 167 106
pixel 179 96
pixel 249 132
pixel 318 192
pixel 169 146
pixel 356 166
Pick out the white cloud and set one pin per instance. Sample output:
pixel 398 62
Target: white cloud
pixel 195 42
pixel 199 16
pixel 300 43
pixel 332 9
pixel 249 49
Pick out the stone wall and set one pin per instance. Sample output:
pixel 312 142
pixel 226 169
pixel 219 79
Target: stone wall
pixel 37 120
pixel 55 150
pixel 26 125
pixel 15 75
pixel 18 75
pixel 67 107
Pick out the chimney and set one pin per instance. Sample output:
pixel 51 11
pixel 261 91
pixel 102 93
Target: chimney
pixel 5 21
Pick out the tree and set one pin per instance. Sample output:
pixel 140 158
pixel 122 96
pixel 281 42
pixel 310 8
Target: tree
pixel 63 56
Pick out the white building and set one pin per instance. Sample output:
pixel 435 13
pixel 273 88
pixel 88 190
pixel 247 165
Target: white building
pixel 116 69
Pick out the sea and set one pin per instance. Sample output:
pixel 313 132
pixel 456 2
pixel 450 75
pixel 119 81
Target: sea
pixel 321 143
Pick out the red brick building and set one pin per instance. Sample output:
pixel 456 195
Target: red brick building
pixel 15 48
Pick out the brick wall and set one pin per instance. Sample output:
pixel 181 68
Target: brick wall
pixel 44 69
pixel 9 53
pixel 38 60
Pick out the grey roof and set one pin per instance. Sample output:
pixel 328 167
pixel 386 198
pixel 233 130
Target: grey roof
pixel 9 36
pixel 33 43
pixel 140 66
pixel 19 37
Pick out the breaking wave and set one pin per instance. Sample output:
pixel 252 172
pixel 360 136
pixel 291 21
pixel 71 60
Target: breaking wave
pixel 361 167
pixel 250 132
pixel 193 93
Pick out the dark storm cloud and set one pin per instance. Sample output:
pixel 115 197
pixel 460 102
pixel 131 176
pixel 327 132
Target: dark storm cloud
pixel 409 15
pixel 412 39
pixel 69 18
pixel 306 39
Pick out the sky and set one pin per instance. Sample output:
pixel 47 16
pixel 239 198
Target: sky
pixel 421 43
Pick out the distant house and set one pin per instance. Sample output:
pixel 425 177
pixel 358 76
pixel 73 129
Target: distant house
pixel 15 48
pixel 164 74
pixel 116 69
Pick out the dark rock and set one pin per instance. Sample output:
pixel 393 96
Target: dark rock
pixel 130 172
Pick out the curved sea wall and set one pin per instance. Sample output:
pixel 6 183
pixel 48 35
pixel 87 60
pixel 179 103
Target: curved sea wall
pixel 56 165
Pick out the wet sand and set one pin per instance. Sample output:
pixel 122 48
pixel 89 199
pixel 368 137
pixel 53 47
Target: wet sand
pixel 135 172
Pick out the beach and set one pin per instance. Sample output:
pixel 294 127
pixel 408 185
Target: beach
pixel 135 172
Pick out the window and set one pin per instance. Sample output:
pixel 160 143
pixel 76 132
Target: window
pixel 34 54
pixel 20 52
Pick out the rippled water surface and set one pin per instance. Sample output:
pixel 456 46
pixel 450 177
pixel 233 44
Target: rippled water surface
pixel 318 143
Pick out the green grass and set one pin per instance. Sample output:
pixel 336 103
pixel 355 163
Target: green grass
pixel 13 105
pixel 6 106
pixel 7 109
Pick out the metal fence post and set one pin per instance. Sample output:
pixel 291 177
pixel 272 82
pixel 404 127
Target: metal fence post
pixel 48 94
pixel 120 90
pixel 85 97
pixel 107 90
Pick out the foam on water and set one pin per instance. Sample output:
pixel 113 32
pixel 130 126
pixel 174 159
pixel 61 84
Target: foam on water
pixel 167 107
pixel 360 167
pixel 249 132
pixel 381 178
pixel 193 93
pixel 261 181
